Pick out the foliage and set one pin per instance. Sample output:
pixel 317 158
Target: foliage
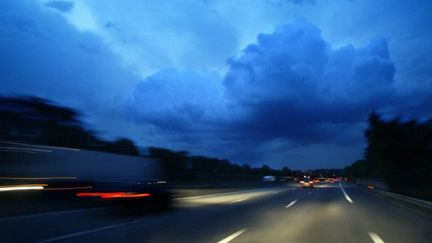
pixel 398 151
pixel 178 163
pixel 122 146
pixel 36 120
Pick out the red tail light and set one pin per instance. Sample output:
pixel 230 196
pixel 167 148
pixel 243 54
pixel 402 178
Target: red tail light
pixel 108 195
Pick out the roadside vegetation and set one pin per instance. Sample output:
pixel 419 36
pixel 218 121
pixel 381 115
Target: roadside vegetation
pixel 40 121
pixel 399 152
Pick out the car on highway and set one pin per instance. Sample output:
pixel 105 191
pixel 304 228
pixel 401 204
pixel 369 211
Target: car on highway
pixel 307 182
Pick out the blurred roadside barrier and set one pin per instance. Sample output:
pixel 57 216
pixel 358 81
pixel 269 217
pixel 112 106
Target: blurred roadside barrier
pixel 418 202
pixel 379 186
pixel 377 183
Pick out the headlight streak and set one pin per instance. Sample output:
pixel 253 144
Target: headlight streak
pixel 22 187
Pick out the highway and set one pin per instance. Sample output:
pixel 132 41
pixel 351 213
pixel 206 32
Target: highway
pixel 326 213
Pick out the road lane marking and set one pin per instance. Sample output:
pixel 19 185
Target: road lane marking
pixel 39 146
pixel 225 198
pixel 50 213
pixel 85 232
pixel 345 194
pixel 232 237
pixel 40 178
pixel 291 203
pixel 222 194
pixel 239 200
pixel 17 149
pixel 375 238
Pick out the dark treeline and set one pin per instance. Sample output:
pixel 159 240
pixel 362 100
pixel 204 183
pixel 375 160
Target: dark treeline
pixel 36 120
pixel 39 121
pixel 327 172
pixel 182 166
pixel 400 152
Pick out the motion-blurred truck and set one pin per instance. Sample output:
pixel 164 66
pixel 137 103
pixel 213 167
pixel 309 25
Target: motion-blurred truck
pixel 87 175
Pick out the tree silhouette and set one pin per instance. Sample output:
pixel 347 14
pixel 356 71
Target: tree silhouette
pixel 400 152
pixel 37 120
pixel 122 146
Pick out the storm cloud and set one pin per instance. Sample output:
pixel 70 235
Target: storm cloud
pixel 43 55
pixel 178 100
pixel 293 84
pixel 277 82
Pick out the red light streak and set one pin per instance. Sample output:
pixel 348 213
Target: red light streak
pixel 109 195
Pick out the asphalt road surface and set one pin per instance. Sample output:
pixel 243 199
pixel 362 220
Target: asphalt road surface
pixel 328 213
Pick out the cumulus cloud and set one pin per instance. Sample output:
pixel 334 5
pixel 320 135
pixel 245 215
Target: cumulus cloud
pixel 293 84
pixel 290 91
pixel 178 99
pixel 294 93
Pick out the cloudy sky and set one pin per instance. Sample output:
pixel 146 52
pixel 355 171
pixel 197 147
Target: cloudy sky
pixel 280 82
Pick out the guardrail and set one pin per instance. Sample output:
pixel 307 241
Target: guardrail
pixel 380 186
pixel 412 200
pixel 375 182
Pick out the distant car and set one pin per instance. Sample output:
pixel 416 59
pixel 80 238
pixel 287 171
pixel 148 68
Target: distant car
pixel 269 178
pixel 307 182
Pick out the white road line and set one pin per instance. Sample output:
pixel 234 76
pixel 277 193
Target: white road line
pixel 15 151
pixel 50 213
pixel 76 234
pixel 220 194
pixel 232 237
pixel 291 203
pixel 345 194
pixel 375 238
pixel 40 146
pixel 238 200
pixel 25 149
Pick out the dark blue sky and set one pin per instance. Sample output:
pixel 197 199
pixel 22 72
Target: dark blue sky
pixel 277 82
